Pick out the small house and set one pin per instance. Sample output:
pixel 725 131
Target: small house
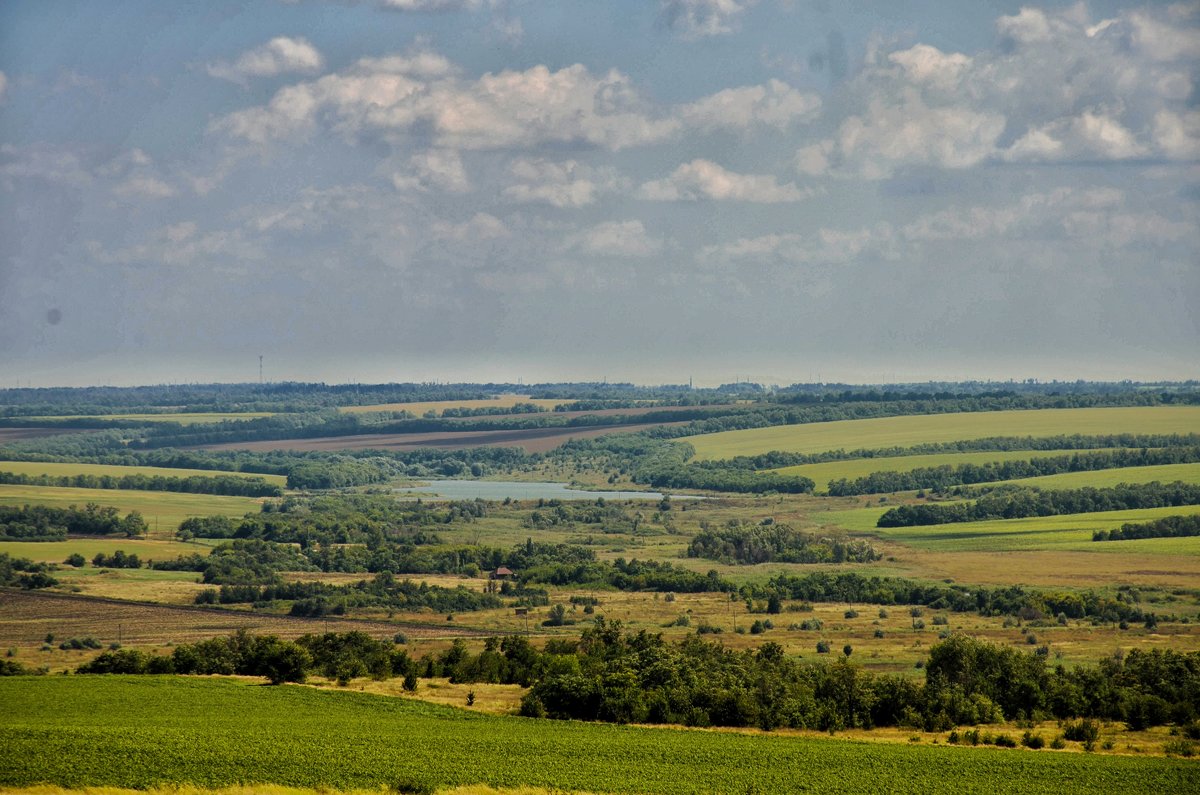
pixel 502 573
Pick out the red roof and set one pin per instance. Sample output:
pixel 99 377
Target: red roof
pixel 500 572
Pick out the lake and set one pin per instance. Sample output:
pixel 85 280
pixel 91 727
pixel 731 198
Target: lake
pixel 517 490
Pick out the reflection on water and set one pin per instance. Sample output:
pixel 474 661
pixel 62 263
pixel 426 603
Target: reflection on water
pixel 500 489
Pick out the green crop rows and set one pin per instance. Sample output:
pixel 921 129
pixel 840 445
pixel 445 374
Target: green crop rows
pixel 136 732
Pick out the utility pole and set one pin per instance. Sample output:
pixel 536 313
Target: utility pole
pixel 260 375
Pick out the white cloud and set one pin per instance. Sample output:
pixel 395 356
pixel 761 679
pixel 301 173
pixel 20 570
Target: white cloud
pixel 703 179
pixel 616 238
pixel 436 169
pixel 422 94
pixel 510 109
pixel 3 85
pixel 278 56
pixel 433 5
pixel 695 19
pixel 561 184
pixel 1058 88
pixel 144 186
pixel 775 104
pixel 480 227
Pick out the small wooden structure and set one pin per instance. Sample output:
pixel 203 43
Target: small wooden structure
pixel 502 573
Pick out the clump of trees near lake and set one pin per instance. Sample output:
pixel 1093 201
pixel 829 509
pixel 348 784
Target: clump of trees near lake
pixel 1167 527
pixel 766 541
pixel 45 523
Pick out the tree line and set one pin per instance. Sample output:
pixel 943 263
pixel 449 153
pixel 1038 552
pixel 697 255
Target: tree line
pixel 1166 527
pixel 46 523
pixel 1017 503
pixel 941 478
pixel 231 485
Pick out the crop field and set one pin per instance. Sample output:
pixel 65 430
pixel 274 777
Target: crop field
pixel 146 549
pixel 421 407
pixel 183 418
pixel 1070 532
pixel 861 467
pixel 911 430
pixel 163 510
pixel 26 618
pixel 143 731
pixel 534 440
pixel 57 469
pixel 1106 478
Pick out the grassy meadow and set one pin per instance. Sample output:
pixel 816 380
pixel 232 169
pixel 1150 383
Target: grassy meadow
pixel 911 430
pixel 1107 478
pixel 146 731
pixel 59 469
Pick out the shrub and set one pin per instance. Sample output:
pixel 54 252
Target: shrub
pixel 1034 741
pixel 851 614
pixel 1179 747
pixel 1082 731
pixel 822 647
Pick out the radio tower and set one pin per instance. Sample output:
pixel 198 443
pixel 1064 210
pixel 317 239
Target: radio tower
pixel 260 378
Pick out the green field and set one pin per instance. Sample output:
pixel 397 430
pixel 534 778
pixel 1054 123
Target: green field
pixel 162 508
pixel 853 468
pixel 146 549
pixel 141 731
pixel 1071 532
pixel 907 431
pixel 57 469
pixel 1106 478
pixel 193 418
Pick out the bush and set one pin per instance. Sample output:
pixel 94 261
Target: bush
pixel 1004 741
pixel 1179 747
pixel 1057 743
pixel 76 560
pixel 1082 731
pixel 1034 741
pixel 851 614
pixel 822 647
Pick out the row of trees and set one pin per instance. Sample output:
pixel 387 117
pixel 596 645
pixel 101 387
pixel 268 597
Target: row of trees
pixel 1167 527
pixel 46 523
pixel 1017 503
pixel 231 485
pixel 941 478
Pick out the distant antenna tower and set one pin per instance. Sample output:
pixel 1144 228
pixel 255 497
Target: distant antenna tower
pixel 260 376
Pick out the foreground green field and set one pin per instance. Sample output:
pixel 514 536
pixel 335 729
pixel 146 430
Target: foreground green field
pixel 58 470
pixel 1070 532
pixel 146 731
pixel 163 510
pixel 911 430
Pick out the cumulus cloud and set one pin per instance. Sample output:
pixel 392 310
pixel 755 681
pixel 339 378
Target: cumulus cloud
pixel 423 94
pixel 433 5
pixel 436 169
pixel 1057 87
pixel 775 104
pixel 703 179
pixel 696 19
pixel 144 186
pixel 616 239
pixel 562 184
pixel 509 109
pixel 278 56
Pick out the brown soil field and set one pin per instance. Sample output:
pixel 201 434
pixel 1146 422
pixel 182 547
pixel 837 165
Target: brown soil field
pixel 17 434
pixel 534 440
pixel 26 618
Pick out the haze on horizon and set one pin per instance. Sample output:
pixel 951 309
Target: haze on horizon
pixel 504 190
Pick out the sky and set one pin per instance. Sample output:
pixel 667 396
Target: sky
pixel 550 190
